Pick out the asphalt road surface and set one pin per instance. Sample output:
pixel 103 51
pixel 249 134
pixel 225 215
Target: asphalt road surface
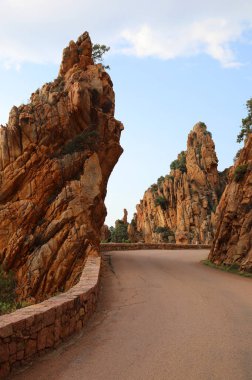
pixel 161 315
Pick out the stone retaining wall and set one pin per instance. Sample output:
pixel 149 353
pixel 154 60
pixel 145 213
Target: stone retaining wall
pixel 105 247
pixel 35 329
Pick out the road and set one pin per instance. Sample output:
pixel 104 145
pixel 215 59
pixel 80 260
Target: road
pixel 161 315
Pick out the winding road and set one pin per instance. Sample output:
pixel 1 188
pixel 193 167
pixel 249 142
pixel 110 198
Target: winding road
pixel 161 315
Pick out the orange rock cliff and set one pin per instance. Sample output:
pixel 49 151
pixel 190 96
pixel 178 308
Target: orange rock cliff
pixel 181 206
pixel 233 240
pixel 56 155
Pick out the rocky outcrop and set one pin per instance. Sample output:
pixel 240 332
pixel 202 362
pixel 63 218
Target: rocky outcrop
pixel 105 233
pixel 233 240
pixel 56 155
pixel 181 206
pixel 125 216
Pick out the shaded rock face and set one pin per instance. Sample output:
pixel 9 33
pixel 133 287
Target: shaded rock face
pixel 181 206
pixel 233 240
pixel 56 155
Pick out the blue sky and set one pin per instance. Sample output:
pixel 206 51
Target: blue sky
pixel 172 65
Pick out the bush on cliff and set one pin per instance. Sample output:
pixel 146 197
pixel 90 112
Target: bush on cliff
pixel 7 291
pixel 162 202
pixel 86 138
pixel 180 163
pixel 97 53
pixel 165 232
pixel 160 181
pixel 246 127
pixel 240 172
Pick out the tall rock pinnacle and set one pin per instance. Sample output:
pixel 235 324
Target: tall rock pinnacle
pixel 56 155
pixel 181 206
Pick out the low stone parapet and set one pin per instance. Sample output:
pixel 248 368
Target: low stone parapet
pixel 35 329
pixel 105 247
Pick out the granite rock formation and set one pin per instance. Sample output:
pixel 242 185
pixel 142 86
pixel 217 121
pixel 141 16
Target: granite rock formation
pixel 56 155
pixel 233 240
pixel 181 206
pixel 105 233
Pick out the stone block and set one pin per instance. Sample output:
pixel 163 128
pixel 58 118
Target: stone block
pixel 4 353
pixel 6 331
pixel 42 339
pixel 49 317
pixel 4 370
pixel 30 348
pixel 20 355
pixel 12 347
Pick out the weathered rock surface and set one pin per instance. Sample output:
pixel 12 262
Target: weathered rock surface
pixel 105 233
pixel 233 240
pixel 181 206
pixel 56 155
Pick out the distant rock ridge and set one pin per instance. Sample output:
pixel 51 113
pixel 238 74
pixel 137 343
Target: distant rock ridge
pixel 233 239
pixel 181 206
pixel 56 155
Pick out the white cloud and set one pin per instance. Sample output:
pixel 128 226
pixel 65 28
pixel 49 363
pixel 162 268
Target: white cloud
pixel 210 36
pixel 36 31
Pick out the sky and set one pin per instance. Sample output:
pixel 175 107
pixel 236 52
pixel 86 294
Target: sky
pixel 173 63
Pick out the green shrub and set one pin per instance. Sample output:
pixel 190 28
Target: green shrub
pixel 119 233
pixel 133 223
pixel 154 188
pixel 160 180
pixel 162 202
pixel 165 232
pixel 202 125
pixel 78 143
pixel 7 291
pixel 169 177
pixel 240 172
pixel 180 163
pixel 246 127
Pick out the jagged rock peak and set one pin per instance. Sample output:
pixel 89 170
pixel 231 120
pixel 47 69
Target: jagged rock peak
pixel 201 157
pixel 78 54
pixel 181 205
pixel 56 156
pixel 125 216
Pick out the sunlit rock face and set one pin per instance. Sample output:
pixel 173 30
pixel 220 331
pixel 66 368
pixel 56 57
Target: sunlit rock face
pixel 56 155
pixel 181 206
pixel 233 240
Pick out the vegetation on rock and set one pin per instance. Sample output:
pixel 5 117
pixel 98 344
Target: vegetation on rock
pixel 165 233
pixel 161 201
pixel 180 163
pixel 184 201
pixel 119 233
pixel 240 172
pixel 7 291
pixel 8 301
pixel 246 127
pixel 232 241
pixel 232 268
pixel 97 53
pixel 56 156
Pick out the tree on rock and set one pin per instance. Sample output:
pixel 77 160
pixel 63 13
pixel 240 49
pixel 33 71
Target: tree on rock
pixel 97 53
pixel 246 126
